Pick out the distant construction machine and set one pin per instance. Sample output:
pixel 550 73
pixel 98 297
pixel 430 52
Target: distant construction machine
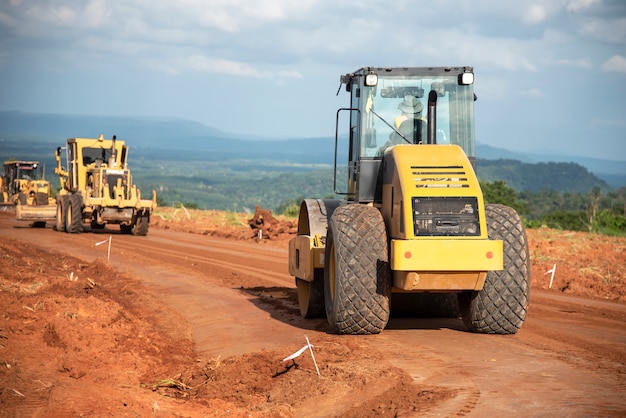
pixel 97 188
pixel 23 184
pixel 414 219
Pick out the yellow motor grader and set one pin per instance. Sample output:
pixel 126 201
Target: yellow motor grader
pixel 97 188
pixel 23 184
pixel 414 219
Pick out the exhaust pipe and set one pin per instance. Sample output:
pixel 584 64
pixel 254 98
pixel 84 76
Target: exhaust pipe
pixel 113 156
pixel 431 134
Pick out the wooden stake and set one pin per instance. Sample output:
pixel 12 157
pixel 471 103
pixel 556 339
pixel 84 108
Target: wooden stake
pixel 311 350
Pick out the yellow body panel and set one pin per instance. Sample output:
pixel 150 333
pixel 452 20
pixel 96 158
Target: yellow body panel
pixel 425 170
pixel 450 254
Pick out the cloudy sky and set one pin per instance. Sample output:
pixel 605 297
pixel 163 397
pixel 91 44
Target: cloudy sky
pixel 550 74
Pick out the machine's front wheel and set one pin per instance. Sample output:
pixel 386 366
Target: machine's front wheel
pixel 311 295
pixel 357 286
pixel 74 214
pixel 502 304
pixel 60 219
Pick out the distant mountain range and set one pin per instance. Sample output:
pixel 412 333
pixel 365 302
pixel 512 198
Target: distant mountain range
pixel 193 140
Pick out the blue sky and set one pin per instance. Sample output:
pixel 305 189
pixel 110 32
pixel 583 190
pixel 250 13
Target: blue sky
pixel 550 74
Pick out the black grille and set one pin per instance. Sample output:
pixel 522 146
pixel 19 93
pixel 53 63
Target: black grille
pixel 446 216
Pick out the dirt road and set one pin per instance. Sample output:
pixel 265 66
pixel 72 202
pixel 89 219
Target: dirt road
pixel 238 304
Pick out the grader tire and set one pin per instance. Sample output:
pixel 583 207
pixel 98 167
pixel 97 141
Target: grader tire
pixel 74 214
pixel 357 286
pixel 311 295
pixel 60 218
pixel 141 225
pixel 502 304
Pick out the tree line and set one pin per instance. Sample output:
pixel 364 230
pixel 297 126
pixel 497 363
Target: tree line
pixel 597 211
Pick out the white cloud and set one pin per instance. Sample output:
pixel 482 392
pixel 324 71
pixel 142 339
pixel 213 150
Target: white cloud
pixel 616 64
pixel 95 14
pixel 577 63
pixel 217 65
pixel 206 64
pixel 6 20
pixel 608 30
pixel 580 5
pixel 534 14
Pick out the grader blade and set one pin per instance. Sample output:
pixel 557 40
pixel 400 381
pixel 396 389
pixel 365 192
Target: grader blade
pixel 32 213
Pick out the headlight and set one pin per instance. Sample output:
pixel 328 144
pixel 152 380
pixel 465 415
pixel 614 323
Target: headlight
pixel 466 78
pixel 371 80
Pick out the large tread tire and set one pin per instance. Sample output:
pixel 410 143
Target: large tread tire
pixel 59 224
pixel 74 214
pixel 357 285
pixel 141 225
pixel 311 295
pixel 502 304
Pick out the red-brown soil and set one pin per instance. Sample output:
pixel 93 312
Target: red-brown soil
pixel 194 320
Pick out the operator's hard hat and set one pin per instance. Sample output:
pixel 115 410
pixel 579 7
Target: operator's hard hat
pixel 411 105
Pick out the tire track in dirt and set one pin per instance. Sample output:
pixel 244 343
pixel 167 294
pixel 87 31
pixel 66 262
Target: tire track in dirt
pixel 217 255
pixel 566 360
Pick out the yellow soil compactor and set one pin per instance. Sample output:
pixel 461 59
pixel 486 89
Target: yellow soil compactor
pixel 413 219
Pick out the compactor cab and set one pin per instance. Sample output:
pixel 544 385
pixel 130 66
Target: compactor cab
pixel 97 187
pixel 414 219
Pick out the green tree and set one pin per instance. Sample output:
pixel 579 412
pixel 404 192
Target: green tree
pixel 499 192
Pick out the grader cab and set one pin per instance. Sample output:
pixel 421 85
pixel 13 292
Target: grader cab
pixel 414 219
pixel 97 188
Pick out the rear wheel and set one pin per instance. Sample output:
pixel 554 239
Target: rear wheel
pixel 141 225
pixel 502 304
pixel 357 287
pixel 60 219
pixel 74 214
pixel 311 295
pixel 313 222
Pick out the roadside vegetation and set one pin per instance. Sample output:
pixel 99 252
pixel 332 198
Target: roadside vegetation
pixel 563 196
pixel 597 211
